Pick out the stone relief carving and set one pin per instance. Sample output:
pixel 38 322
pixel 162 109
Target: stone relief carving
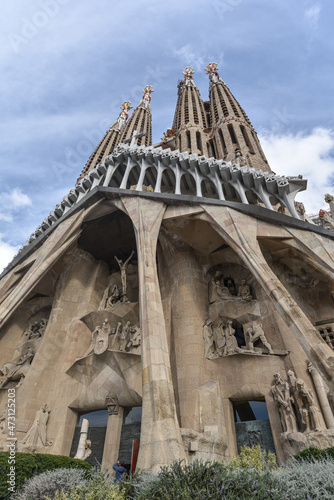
pixel 112 405
pixel 13 372
pixel 120 337
pixel 122 267
pixel 220 340
pixel 281 394
pixel 225 289
pixel 36 438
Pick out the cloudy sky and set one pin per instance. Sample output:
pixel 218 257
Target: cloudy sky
pixel 67 65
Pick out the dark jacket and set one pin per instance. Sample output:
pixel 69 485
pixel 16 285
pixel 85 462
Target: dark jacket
pixel 119 471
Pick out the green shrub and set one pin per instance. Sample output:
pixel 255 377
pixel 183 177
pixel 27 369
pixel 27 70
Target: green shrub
pixel 49 482
pixel 307 479
pixel 315 454
pixel 253 457
pixel 96 488
pixel 210 481
pixel 31 464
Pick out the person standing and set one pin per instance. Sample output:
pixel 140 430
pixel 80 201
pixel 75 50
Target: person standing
pixel 120 470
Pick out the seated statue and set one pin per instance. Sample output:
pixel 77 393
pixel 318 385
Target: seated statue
pixel 244 291
pixel 216 290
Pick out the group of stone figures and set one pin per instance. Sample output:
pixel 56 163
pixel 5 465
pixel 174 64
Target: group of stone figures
pixel 114 293
pixel 121 338
pixel 296 404
pixel 15 370
pixel 226 289
pixel 221 340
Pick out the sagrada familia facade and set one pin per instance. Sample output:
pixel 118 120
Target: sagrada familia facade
pixel 178 293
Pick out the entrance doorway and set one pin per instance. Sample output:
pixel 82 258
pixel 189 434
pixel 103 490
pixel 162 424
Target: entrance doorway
pixel 252 425
pixel 130 437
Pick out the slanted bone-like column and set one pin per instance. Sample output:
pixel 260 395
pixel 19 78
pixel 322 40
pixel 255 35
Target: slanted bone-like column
pixel 322 396
pixel 160 441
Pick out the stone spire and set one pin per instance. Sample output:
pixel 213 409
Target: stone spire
pixel 141 120
pixel 110 140
pixel 190 119
pixel 232 134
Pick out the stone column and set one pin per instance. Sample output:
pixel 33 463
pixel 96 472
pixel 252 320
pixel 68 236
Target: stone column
pixel 113 439
pixel 83 439
pixel 322 396
pixel 160 441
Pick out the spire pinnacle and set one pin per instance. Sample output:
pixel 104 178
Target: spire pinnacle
pixel 120 122
pixel 212 70
pixel 188 76
pixel 145 101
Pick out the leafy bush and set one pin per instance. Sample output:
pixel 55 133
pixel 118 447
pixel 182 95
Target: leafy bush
pixel 315 454
pixel 31 464
pixel 307 479
pixel 254 457
pixel 210 481
pixel 97 488
pixel 49 482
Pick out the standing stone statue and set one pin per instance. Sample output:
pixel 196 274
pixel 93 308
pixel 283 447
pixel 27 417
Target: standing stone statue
pixel 231 342
pixel 122 267
pixel 255 333
pixel 208 338
pixel 281 394
pixel 123 337
pixel 134 340
pixel 304 401
pixel 36 437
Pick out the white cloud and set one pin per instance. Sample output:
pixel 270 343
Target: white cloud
pixel 308 154
pixel 312 15
pixel 7 252
pixel 11 202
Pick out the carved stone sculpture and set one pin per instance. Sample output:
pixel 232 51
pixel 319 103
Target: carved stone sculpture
pixel 34 331
pixel 134 339
pixel 231 342
pixel 244 291
pixel 208 338
pixel 16 370
pixel 217 291
pixel 220 339
pixel 254 334
pixel 36 436
pixel 124 336
pixel 122 267
pixel 101 341
pixel 281 394
pixel 84 446
pixel 112 405
pixel 111 296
